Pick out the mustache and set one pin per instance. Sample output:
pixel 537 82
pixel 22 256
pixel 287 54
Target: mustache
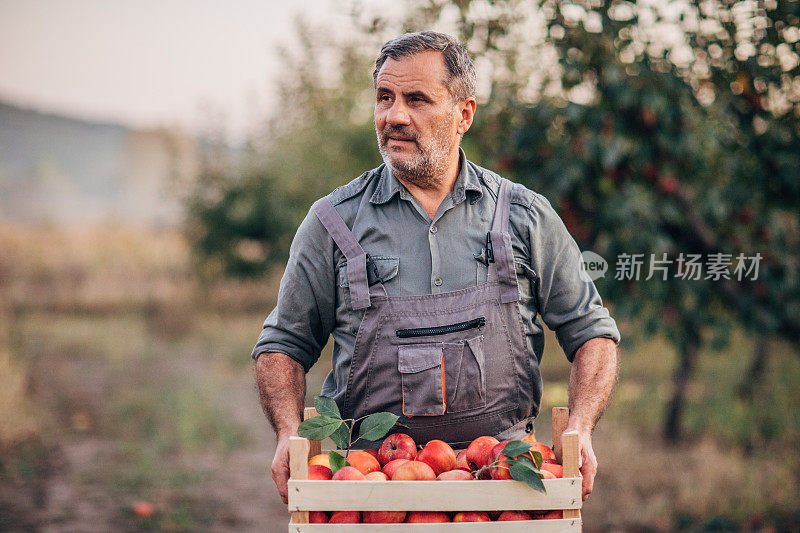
pixel 398 131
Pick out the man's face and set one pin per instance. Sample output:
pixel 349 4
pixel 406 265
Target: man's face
pixel 416 120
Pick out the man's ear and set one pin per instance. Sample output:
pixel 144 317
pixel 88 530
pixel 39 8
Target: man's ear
pixel 466 108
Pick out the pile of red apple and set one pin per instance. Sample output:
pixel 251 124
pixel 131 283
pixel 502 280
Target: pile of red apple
pixel 399 460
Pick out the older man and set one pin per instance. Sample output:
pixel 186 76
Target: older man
pixel 429 272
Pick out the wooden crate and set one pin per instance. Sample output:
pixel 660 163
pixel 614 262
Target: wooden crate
pixel 478 495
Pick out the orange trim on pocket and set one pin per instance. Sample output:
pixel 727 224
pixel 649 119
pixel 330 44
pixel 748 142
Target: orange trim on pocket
pixel 444 393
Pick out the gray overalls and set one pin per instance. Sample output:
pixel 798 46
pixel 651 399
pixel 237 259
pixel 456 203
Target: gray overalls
pixel 453 365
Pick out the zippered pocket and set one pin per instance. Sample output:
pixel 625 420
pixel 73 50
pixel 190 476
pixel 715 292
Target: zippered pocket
pixel 441 330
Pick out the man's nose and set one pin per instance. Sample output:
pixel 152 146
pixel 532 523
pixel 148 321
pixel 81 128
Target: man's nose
pixel 398 114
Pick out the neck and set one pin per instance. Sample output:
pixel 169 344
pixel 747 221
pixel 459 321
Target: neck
pixel 433 193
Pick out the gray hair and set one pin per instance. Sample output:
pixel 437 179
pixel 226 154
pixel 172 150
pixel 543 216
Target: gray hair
pixel 461 78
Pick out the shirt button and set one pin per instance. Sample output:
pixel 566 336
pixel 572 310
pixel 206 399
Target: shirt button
pixel 437 281
pixel 434 229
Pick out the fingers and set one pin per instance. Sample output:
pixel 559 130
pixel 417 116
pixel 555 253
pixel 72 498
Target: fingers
pixel 281 476
pixel 588 471
pixel 587 463
pixel 280 471
pixel 281 479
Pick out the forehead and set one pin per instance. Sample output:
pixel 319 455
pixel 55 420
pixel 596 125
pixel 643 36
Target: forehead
pixel 423 70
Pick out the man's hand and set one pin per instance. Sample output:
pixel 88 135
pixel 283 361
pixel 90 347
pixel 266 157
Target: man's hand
pixel 588 461
pixel 280 466
pixel 282 388
pixel 591 382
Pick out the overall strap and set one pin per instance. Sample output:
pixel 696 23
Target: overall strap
pixel 353 252
pixel 503 268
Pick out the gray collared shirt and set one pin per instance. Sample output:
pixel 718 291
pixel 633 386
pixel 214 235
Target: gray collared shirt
pixel 416 255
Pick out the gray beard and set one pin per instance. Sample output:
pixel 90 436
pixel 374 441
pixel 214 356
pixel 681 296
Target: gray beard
pixel 426 169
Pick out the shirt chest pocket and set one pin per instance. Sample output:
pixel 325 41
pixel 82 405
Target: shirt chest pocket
pixel 387 269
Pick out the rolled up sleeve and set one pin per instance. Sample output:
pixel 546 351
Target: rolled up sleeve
pixel 303 318
pixel 568 304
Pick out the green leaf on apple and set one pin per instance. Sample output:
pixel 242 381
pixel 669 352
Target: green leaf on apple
pixel 527 461
pixel 515 448
pixel 337 461
pixel 521 471
pixel 537 457
pixel 326 406
pixel 377 425
pixel 341 437
pixel 318 427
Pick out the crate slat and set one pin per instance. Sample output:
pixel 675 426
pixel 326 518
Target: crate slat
pixel 298 469
pixel 560 421
pixel 571 451
pixel 528 526
pixel 432 495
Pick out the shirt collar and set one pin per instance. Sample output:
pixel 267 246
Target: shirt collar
pixel 467 180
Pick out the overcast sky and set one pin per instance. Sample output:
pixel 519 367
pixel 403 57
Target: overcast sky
pixel 147 62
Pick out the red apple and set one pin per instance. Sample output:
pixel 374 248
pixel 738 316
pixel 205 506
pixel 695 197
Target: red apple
pixel 508 516
pixel 363 462
pixel 455 475
pixel 472 516
pixel 461 461
pixel 500 471
pixel 438 455
pixel 397 446
pixel 479 452
pixel 345 517
pixel 426 517
pixel 391 466
pixel 549 515
pixel 143 509
pixel 497 449
pixel 413 471
pixel 320 459
pixel 317 517
pixel 555 468
pixel 376 476
pixel 319 472
pixel 384 517
pixel 544 449
pixel 348 473
pixel 373 452
pixel 547 474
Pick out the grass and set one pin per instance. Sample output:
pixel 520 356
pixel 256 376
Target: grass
pixel 124 379
pixel 156 409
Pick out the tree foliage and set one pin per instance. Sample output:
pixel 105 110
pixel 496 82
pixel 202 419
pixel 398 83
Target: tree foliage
pixel 246 205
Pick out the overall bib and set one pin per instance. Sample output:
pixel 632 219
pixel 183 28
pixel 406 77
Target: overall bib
pixel 453 365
